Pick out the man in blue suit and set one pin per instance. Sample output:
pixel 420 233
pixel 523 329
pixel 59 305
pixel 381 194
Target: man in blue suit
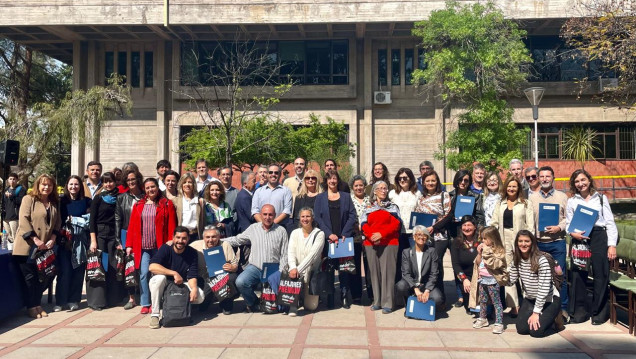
pixel 243 208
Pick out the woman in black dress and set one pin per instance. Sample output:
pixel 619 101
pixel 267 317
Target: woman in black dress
pixel 463 252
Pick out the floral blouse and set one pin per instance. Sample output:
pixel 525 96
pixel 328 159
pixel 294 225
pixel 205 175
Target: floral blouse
pixel 439 204
pixel 490 202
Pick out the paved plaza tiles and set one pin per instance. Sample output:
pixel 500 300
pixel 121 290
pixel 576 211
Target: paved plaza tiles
pixel 338 333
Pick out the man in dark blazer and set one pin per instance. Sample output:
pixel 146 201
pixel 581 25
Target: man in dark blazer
pixel 419 270
pixel 243 208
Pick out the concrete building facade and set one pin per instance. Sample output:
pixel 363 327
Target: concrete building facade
pixel 365 46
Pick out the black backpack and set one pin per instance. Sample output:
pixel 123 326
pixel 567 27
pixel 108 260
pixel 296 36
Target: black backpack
pixel 176 305
pixel 557 279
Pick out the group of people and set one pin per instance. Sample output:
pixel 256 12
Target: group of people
pixel 499 254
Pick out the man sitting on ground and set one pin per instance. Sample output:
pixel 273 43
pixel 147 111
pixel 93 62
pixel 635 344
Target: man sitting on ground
pixel 177 262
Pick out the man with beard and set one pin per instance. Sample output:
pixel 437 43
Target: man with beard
pixel 177 262
pixel 552 238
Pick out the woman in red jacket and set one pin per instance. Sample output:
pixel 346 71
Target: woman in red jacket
pixel 152 221
pixel 381 226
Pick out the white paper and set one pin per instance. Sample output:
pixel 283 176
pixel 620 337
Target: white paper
pixel 464 200
pixel 432 310
pixel 552 208
pixel 265 272
pixel 216 251
pixel 218 272
pixel 332 248
pixel 350 246
pixel 585 211
pixel 411 305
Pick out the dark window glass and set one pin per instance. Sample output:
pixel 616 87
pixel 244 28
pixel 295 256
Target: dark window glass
pixel 318 62
pixel 421 62
pixel 109 64
pixel 135 75
pixel 122 58
pixel 395 67
pixel 148 69
pixel 292 57
pixel 408 66
pixel 382 67
pixel 340 58
pixel 189 64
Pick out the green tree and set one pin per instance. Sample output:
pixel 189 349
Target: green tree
pixel 604 37
pixel 475 58
pixel 38 109
pixel 579 144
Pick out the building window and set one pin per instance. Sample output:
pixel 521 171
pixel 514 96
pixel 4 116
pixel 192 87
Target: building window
pixel 408 66
pixel 382 67
pixel 122 60
pixel 109 61
pixel 615 142
pixel 305 62
pixel 148 69
pixel 395 67
pixel 135 68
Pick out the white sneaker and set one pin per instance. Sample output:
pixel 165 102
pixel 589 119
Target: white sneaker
pixel 154 322
pixel 497 329
pixel 57 308
pixel 480 323
pixel 73 307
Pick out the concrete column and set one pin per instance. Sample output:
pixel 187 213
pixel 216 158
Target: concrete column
pixel 91 152
pixel 79 82
pixel 162 85
pixel 366 143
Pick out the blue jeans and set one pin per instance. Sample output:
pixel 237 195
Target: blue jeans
pixel 144 276
pixel 245 282
pixel 69 281
pixel 558 250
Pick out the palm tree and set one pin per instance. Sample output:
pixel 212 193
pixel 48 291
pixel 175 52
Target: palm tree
pixel 579 144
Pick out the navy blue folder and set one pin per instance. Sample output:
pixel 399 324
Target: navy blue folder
pixel 123 234
pixel 422 219
pixel 214 260
pixel 583 220
pixel 548 215
pixel 105 260
pixel 464 206
pixel 341 249
pixel 268 269
pixel 417 310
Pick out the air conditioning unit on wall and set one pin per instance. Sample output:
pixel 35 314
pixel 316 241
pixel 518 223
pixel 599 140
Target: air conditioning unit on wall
pixel 607 84
pixel 382 97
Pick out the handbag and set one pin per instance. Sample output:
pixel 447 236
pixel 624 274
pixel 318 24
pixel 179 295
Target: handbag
pixel 120 264
pixel 580 254
pixel 129 272
pixel 94 268
pixel 347 265
pixel 289 290
pixel 45 262
pixel 268 300
pixel 321 281
pixel 221 287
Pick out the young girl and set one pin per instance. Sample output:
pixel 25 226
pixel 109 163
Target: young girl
pixel 490 263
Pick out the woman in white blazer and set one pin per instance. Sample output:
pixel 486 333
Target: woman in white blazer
pixel 512 214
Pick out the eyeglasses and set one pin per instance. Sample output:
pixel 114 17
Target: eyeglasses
pixel 492 181
pixel 311 178
pixel 403 179
pixel 531 177
pixel 273 172
pixel 465 180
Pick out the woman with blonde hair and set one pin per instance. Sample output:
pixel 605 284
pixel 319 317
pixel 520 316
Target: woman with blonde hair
pixel 39 225
pixel 188 207
pixel 309 189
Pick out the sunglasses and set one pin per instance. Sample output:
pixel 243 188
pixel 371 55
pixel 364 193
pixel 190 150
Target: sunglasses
pixel 311 178
pixel 465 180
pixel 403 179
pixel 531 177
pixel 273 172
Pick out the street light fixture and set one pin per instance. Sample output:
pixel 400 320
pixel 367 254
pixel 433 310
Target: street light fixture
pixel 534 95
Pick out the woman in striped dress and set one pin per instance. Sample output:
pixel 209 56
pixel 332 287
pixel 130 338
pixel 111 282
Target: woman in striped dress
pixel 541 303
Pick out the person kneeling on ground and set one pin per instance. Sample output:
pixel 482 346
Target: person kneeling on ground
pixel 419 270
pixel 176 262
pixel 212 238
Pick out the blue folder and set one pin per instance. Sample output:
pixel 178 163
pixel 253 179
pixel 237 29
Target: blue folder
pixel 417 310
pixel 422 219
pixel 105 261
pixel 122 235
pixel 464 206
pixel 583 220
pixel 341 249
pixel 214 260
pixel 548 215
pixel 268 270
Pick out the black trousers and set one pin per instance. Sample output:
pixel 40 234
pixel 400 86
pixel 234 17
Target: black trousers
pixel 403 290
pixel 546 319
pixel 31 287
pixel 111 292
pixel 599 310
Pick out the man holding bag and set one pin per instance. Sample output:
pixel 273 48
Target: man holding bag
pixel 177 262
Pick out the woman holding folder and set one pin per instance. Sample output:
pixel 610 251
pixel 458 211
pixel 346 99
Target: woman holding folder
pixel 512 214
pixel 336 217
pixel 602 239
pixel 406 197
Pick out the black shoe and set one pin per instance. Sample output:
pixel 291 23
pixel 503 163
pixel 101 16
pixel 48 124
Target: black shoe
pixel 227 312
pixel 458 304
pixel 598 321
pixel 346 300
pixel 252 308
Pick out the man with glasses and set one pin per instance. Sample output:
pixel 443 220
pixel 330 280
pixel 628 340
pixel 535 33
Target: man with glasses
pixel 275 194
pixel 533 181
pixel 551 239
pixel 425 166
pixel 293 183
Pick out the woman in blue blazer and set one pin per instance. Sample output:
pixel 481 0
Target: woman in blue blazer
pixel 336 217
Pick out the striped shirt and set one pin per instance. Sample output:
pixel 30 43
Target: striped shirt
pixel 148 229
pixel 268 246
pixel 537 286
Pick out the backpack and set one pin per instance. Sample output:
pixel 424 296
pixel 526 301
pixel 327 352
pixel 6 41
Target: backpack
pixel 557 278
pixel 176 305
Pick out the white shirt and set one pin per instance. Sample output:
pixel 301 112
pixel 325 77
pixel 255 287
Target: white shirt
pixel 406 202
pixel 201 184
pixel 605 215
pixel 418 256
pixel 189 218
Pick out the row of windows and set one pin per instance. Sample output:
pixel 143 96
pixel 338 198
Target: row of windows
pixel 305 62
pixel 612 141
pixel 396 65
pixel 120 66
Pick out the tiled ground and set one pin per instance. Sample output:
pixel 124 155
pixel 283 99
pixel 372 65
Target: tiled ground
pixel 339 333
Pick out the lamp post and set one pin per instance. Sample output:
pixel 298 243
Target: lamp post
pixel 534 95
